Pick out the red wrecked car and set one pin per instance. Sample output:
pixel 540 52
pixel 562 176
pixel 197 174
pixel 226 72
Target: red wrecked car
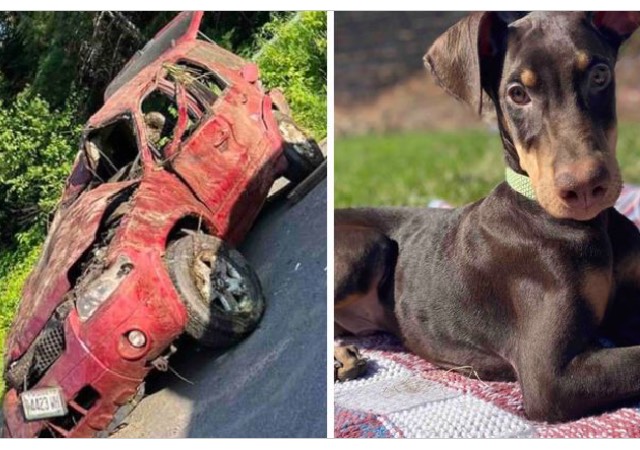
pixel 171 173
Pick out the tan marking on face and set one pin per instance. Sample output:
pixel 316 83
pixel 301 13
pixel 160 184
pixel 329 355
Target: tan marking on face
pixel 528 78
pixel 534 162
pixel 582 60
pixel 539 163
pixel 596 289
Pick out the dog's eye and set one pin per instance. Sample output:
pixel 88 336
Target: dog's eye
pixel 600 76
pixel 518 94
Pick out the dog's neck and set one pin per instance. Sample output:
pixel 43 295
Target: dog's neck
pixel 519 183
pixel 514 177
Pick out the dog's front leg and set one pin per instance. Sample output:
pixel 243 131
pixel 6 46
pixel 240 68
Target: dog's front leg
pixel 622 320
pixel 563 374
pixel 594 380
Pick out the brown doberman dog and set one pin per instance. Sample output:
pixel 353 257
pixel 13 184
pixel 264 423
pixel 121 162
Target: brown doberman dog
pixel 528 282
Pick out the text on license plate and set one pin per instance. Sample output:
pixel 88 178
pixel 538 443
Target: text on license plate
pixel 43 403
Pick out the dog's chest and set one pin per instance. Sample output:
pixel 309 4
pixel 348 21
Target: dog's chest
pixel 597 289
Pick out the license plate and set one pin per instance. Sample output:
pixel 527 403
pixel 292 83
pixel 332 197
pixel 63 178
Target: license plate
pixel 43 403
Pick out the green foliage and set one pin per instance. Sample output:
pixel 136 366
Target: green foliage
pixel 293 57
pixel 64 52
pixel 58 52
pixel 458 166
pixel 412 169
pixel 37 145
pixel 60 43
pixel 627 151
pixel 240 32
pixel 43 49
pixel 15 266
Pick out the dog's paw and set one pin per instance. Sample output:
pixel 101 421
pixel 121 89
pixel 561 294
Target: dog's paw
pixel 348 363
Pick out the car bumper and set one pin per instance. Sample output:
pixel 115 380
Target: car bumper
pixel 79 374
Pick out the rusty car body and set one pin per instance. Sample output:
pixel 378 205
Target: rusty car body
pixel 187 143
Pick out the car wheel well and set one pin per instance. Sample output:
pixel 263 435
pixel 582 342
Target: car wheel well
pixel 186 224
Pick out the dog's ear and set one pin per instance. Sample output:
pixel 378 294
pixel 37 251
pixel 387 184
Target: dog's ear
pixel 616 25
pixel 465 59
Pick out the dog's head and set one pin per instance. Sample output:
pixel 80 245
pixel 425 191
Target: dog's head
pixel 550 77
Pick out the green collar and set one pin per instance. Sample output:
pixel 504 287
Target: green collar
pixel 519 183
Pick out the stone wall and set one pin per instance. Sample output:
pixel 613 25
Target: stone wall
pixel 381 84
pixel 375 50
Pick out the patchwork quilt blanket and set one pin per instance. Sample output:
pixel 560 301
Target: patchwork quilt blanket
pixel 401 395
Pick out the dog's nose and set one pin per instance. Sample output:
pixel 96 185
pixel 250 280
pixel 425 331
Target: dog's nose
pixel 582 185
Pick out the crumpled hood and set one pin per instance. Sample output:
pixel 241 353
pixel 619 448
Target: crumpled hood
pixel 73 231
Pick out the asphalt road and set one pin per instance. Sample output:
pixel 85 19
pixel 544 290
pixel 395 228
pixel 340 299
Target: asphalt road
pixel 273 384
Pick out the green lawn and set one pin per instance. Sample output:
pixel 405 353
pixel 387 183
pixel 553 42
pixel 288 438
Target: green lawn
pixel 458 166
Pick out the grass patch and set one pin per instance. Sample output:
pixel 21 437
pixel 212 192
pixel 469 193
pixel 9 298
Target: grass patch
pixel 458 166
pixel 293 56
pixel 15 266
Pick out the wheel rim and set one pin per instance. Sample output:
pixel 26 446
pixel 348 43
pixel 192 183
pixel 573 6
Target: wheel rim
pixel 221 283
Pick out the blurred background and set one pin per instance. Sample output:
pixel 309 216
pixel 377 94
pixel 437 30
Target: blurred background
pixel 400 140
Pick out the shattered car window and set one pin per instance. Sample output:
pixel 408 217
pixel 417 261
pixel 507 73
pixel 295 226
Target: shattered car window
pixel 160 114
pixel 185 85
pixel 203 84
pixel 112 152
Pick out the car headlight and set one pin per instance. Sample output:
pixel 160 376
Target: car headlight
pixel 89 299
